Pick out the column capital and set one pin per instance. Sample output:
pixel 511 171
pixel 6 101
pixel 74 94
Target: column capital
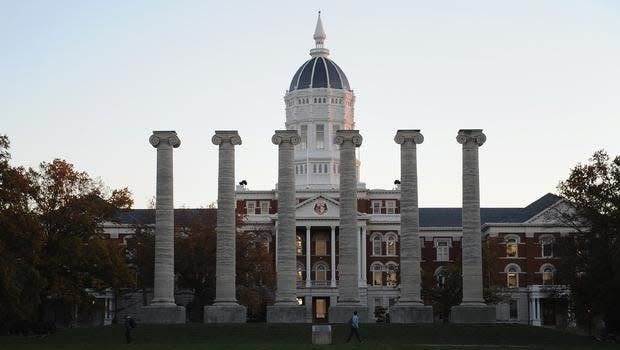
pixel 226 136
pixel 161 138
pixel 352 136
pixel 471 136
pixel 286 136
pixel 412 135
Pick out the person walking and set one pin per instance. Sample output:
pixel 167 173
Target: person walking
pixel 355 325
pixel 129 325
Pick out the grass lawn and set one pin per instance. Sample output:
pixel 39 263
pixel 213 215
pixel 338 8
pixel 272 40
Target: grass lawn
pixel 298 337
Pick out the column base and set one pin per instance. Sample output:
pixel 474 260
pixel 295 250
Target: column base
pixel 225 313
pixel 341 313
pixel 162 314
pixel 416 313
pixel 286 314
pixel 472 313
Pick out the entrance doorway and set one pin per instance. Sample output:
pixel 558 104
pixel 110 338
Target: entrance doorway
pixel 548 312
pixel 320 305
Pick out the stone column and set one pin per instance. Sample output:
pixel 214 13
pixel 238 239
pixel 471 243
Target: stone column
pixel 348 286
pixel 225 309
pixel 364 261
pixel 308 266
pixel 163 309
pixel 472 309
pixel 409 308
pixel 333 256
pixel 286 309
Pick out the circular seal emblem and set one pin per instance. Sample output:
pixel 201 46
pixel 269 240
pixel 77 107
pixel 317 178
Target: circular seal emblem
pixel 320 207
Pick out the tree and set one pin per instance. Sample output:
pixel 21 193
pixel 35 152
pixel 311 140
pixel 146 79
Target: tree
pixel 52 244
pixel 195 262
pixel 443 290
pixel 593 194
pixel 20 242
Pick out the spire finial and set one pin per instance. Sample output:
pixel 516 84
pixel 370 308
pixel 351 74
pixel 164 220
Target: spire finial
pixel 319 39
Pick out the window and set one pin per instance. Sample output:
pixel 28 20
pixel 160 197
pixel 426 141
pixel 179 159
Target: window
pixel 514 309
pixel 547 275
pixel 264 207
pixel 378 302
pixel 377 274
pixel 392 277
pixel 390 207
pixel 547 246
pixel 320 136
pixel 390 245
pixel 512 277
pixel 320 247
pixel 314 168
pixel 250 207
pixel 443 251
pixel 320 273
pixel 376 207
pixel 440 276
pixel 300 272
pixel 303 134
pixel 512 247
pixel 325 168
pixel 376 245
pixel 299 245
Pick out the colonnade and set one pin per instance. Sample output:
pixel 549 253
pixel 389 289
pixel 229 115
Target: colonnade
pixel 352 270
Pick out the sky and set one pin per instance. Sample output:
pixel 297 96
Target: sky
pixel 88 81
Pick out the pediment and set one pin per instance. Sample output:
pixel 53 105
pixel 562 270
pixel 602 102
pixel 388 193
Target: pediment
pixel 318 207
pixel 553 214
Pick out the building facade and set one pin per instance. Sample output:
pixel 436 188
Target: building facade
pixel 320 101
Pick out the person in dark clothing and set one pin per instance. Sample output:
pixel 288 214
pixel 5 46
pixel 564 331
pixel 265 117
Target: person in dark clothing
pixel 355 325
pixel 129 325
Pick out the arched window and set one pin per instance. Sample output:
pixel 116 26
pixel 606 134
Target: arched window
pixel 440 276
pixel 392 274
pixel 512 246
pixel 376 244
pixel 390 244
pixel 547 243
pixel 320 271
pixel 547 274
pixel 300 272
pixel 299 245
pixel 512 275
pixel 377 274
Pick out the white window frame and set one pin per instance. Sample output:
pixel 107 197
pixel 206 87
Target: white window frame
pixel 250 207
pixel 543 272
pixel 390 207
pixel 508 240
pixel 376 269
pixel 303 134
pixel 376 207
pixel 391 267
pixel 264 207
pixel 442 249
pixel 376 240
pixel 546 240
pixel 390 237
pixel 320 136
pixel 510 270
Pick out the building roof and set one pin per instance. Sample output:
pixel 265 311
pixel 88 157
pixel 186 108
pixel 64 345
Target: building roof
pixel 429 217
pixel 319 72
pixel 182 217
pixel 451 217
